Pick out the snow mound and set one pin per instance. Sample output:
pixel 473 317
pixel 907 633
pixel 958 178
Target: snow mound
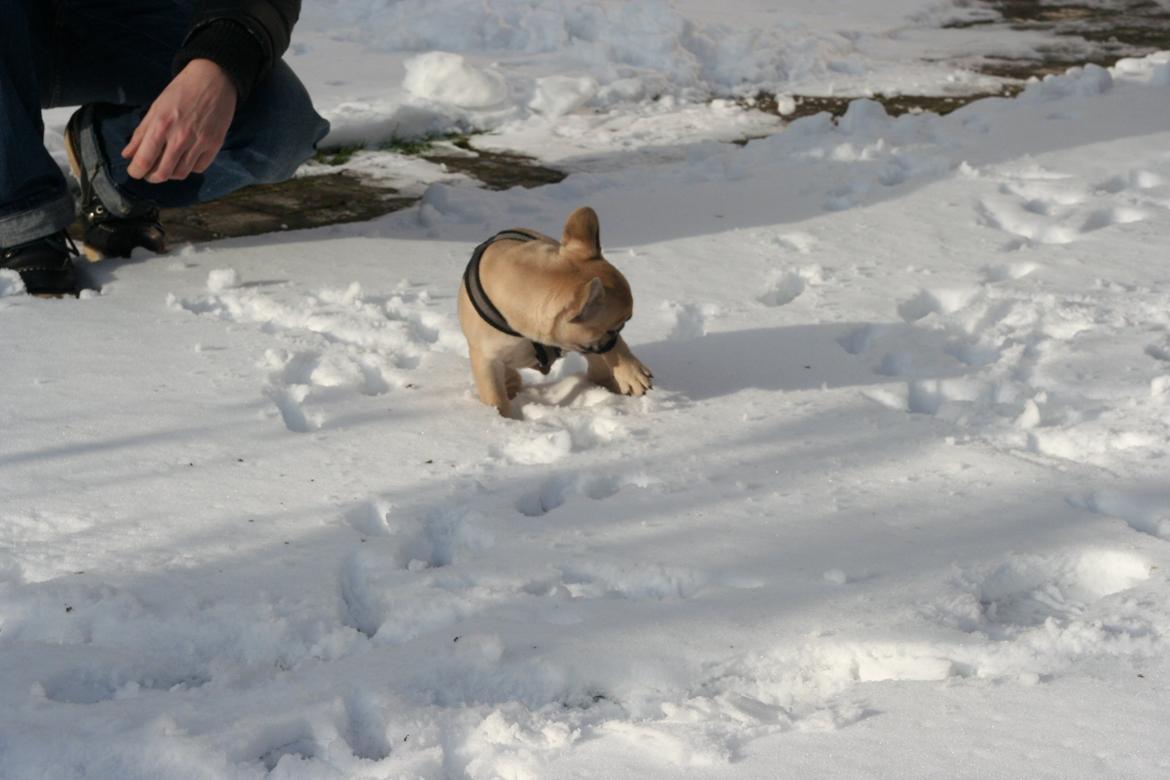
pixel 10 283
pixel 559 95
pixel 449 78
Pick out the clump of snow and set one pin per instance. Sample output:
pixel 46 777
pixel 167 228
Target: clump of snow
pixel 690 319
pixel 559 95
pixel 1160 387
pixel 1087 81
pixel 221 279
pixel 836 577
pixel 863 116
pixel 10 283
pixel 448 78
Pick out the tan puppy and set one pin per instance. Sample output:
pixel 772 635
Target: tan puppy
pixel 525 299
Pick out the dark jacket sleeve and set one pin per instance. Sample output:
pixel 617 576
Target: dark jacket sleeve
pixel 244 37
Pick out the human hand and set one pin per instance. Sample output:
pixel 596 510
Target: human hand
pixel 185 127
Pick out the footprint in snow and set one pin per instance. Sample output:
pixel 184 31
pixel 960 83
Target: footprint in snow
pixel 359 343
pixel 1134 180
pixel 896 364
pixel 974 353
pixel 859 340
pixel 370 518
pixel 289 403
pixel 1008 272
pixel 1147 514
pixel 635 581
pixel 365 727
pixel 930 397
pixel 1057 211
pixel 1111 215
pixel 294 378
pixel 782 288
pixel 274 741
pixel 94 684
pixel 1026 591
pixel 1159 351
pixel 373 579
pixel 939 301
pixel 785 286
pixel 801 243
pixel 554 492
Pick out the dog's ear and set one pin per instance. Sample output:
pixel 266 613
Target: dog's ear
pixel 582 237
pixel 587 303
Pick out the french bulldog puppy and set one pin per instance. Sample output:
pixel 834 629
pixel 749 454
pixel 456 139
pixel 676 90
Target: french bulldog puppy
pixel 525 299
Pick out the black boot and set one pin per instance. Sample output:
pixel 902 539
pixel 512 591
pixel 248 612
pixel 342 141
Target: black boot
pixel 103 234
pixel 45 265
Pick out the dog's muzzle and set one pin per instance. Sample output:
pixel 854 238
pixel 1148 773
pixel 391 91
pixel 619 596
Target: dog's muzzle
pixel 608 344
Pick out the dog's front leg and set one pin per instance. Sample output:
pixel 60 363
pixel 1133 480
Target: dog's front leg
pixel 490 381
pixel 513 382
pixel 619 371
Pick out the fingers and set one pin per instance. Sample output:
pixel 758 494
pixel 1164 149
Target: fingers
pixel 159 153
pixel 177 145
pixel 185 164
pixel 147 153
pixel 135 141
pixel 197 160
pixel 204 161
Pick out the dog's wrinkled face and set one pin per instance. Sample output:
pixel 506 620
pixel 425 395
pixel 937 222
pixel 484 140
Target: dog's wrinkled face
pixel 598 311
pixel 594 311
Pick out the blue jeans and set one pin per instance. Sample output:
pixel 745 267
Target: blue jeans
pixel 118 54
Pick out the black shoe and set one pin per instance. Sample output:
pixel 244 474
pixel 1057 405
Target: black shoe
pixel 45 265
pixel 102 233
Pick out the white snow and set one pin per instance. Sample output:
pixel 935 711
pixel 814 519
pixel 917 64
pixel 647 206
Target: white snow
pixel 10 283
pixel 221 279
pixel 447 78
pixel 897 506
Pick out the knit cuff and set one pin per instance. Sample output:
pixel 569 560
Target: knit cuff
pixel 229 45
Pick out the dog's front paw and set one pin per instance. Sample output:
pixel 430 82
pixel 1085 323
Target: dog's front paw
pixel 513 384
pixel 630 377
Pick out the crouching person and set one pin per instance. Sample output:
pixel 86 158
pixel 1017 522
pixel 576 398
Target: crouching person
pixel 181 102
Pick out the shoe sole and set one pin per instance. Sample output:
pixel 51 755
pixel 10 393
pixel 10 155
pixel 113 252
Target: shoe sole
pixel 91 254
pixel 54 296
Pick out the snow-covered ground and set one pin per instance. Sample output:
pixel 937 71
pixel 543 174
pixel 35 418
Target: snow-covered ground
pixel 899 505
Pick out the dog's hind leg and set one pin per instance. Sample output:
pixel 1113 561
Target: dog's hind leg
pixel 491 382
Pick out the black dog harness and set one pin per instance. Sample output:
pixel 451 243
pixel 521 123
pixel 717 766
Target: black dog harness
pixel 546 355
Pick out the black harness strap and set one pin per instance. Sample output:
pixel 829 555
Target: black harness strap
pixel 546 355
